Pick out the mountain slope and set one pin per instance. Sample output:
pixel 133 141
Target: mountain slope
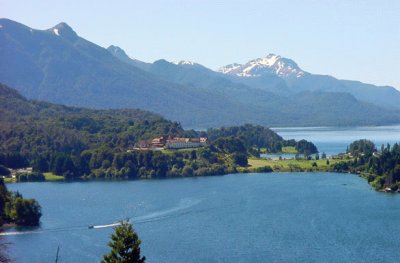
pixel 271 64
pixel 342 107
pixel 386 97
pixel 40 128
pixel 121 55
pixel 306 108
pixel 199 77
pixel 260 72
pixel 59 66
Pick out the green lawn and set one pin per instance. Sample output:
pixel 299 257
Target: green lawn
pixel 289 165
pixel 262 150
pixel 53 177
pixel 9 180
pixel 285 149
pixel 49 177
pixel 289 149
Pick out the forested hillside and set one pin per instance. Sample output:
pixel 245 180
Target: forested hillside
pixel 251 136
pixel 75 142
pixel 39 128
pixel 381 168
pixel 16 209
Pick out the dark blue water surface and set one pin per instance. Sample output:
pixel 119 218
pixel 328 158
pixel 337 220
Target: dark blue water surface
pixel 275 217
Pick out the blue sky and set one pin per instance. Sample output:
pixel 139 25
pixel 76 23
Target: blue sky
pixel 358 40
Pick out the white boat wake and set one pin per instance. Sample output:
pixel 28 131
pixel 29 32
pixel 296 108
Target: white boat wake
pixel 154 216
pixel 105 226
pixel 19 233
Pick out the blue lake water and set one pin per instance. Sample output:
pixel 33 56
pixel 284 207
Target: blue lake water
pixel 335 140
pixel 275 217
pixel 287 217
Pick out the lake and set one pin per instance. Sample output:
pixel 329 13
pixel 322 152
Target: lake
pixel 335 140
pixel 274 217
pixel 287 217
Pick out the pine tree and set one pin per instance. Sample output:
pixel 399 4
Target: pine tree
pixel 125 246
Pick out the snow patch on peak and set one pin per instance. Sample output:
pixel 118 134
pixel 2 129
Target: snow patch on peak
pixel 64 30
pixel 271 64
pixel 268 61
pixel 56 31
pixel 184 62
pixel 229 68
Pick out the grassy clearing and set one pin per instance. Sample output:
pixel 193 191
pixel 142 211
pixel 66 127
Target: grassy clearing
pixel 291 165
pixel 285 149
pixel 49 177
pixel 262 150
pixel 53 177
pixel 289 149
pixel 171 151
pixel 9 180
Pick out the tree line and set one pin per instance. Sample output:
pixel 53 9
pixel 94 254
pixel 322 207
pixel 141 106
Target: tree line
pixel 16 209
pixel 75 142
pixel 381 168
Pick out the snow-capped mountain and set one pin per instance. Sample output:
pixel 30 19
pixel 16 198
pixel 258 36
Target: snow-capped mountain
pixel 271 64
pixel 62 30
pixel 184 62
pixel 57 65
pixel 188 64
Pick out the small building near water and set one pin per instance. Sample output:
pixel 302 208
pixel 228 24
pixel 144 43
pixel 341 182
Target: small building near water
pixel 181 143
pixel 171 142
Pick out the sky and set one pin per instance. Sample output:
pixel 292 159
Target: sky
pixel 357 39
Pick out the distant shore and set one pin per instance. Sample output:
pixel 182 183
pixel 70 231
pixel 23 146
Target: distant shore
pixel 255 165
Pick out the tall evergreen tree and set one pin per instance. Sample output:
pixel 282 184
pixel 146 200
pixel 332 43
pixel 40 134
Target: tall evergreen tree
pixel 125 246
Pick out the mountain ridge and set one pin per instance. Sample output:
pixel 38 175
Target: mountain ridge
pixel 200 77
pixel 67 69
pixel 42 65
pixel 297 80
pixel 270 64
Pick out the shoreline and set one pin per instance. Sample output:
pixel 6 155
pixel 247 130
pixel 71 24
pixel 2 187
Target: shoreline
pixel 281 166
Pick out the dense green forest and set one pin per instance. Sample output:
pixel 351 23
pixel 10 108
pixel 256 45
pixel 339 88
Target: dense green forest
pixel 251 136
pixel 256 137
pixel 77 142
pixel 33 128
pixel 16 209
pixel 381 168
